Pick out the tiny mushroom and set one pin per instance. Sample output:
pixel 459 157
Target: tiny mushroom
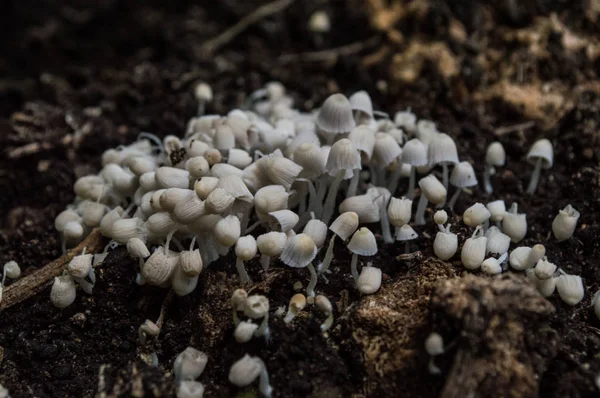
pixel 246 370
pixel 297 304
pixel 494 157
pixel 463 176
pixel 299 252
pixel 541 155
pixel 405 234
pixel 363 243
pixel 564 223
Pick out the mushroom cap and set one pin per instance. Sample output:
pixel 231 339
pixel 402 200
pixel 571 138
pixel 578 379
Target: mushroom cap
pixel 312 160
pixel 299 251
pixel 363 243
pixel 433 189
pixel 335 116
pixel 365 206
pixel 285 219
pixel 386 149
pixel 361 101
pixel 442 149
pixel 363 138
pixel 541 149
pixel 245 371
pixel 256 306
pixel 495 154
pixel 463 175
pixel 343 155
pixel 406 232
pixel 345 224
pixel 399 211
pixel 272 243
pixel 317 230
pixel 406 120
pixel 414 153
pixel 369 280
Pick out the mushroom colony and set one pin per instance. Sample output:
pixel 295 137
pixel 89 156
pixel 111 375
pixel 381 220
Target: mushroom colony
pixel 308 182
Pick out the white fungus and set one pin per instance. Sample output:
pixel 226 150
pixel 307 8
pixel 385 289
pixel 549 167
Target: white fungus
pixel 541 155
pixel 564 223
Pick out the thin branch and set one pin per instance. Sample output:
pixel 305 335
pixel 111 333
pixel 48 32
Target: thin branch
pixel 513 128
pixel 330 54
pixel 250 19
pixel 37 281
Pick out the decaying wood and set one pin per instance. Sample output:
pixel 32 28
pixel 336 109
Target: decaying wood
pixel 28 286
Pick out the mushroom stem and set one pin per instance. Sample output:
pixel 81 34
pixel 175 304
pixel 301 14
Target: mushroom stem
pixel 263 329
pixel 327 323
pixel 353 184
pixel 406 247
pixel 420 215
pixel 263 384
pixel 445 175
pixel 395 178
pixel 310 289
pixel 353 266
pixel 331 195
pixel 454 198
pixel 411 183
pixel 385 225
pixel 265 262
pixel 201 108
pixel 487 185
pixel 535 177
pixel 244 278
pixel 322 183
pixel 328 256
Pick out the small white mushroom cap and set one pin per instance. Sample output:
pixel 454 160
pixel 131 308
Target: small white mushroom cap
pixel 203 92
pixel 218 201
pixel 170 177
pixel 170 197
pixel 514 224
pixel 343 155
pixel 271 244
pixel 442 149
pixel 497 242
pixel 92 213
pixel 198 166
pixel 434 344
pixel 124 229
pixel 406 232
pixel 284 220
pixel 433 189
pixel 299 251
pixel 386 150
pixel 445 245
pixel 238 299
pixel 547 286
pixel 414 153
pixel 363 138
pixel 440 217
pixel 223 169
pixel 426 131
pixel 245 248
pixel 400 211
pixel 256 306
pixel 369 280
pixel 361 101
pixel 495 155
pixel 189 364
pixel 297 304
pixel 191 262
pixel 63 291
pixel 158 224
pixel 473 252
pixel 239 158
pixel 279 170
pixel 476 215
pixel 236 187
pixel 64 218
pixel 570 289
pixel 564 223
pixel 364 206
pixel 188 209
pixel 190 389
pixel 148 181
pixel 159 268
pixel 363 243
pixel 11 270
pixel 463 175
pixel 518 258
pixel 406 120
pixel 270 198
pixel 245 371
pixel 491 266
pixel 109 219
pixel 544 269
pixel 312 160
pixel 205 186
pixel 227 231
pixel 345 224
pixel 224 138
pixel 244 331
pixel 335 115
pixel 80 266
pixel 317 230
pixel 73 230
pixel 541 149
pixel 497 210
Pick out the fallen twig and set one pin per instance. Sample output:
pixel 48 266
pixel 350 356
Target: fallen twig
pixel 36 282
pixel 250 19
pixel 513 128
pixel 332 53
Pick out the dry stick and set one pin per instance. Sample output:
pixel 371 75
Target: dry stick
pixel 332 53
pixel 516 127
pixel 250 19
pixel 37 281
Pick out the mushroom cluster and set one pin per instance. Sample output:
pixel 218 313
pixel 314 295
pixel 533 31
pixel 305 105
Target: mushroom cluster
pixel 180 203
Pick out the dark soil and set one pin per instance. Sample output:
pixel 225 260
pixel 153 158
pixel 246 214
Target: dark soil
pixel 76 79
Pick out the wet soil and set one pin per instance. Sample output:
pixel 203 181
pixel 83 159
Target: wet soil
pixel 76 79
